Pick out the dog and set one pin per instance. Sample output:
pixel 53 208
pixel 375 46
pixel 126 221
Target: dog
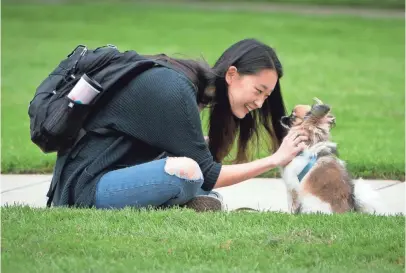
pixel 317 181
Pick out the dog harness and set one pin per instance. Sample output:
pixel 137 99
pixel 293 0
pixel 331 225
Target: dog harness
pixel 307 168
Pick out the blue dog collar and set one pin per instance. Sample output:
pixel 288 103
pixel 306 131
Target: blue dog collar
pixel 307 168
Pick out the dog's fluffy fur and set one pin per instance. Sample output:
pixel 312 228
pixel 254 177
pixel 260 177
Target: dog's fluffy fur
pixel 327 187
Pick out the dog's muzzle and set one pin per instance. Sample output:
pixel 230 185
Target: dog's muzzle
pixel 286 120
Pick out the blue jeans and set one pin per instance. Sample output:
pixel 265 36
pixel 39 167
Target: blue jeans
pixel 145 185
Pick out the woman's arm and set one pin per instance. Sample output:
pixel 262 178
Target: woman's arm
pixel 233 174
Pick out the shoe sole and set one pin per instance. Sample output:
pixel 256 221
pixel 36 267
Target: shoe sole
pixel 204 203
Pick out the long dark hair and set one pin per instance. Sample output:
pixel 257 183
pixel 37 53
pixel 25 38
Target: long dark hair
pixel 249 56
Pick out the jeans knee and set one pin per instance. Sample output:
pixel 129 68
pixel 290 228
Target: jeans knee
pixel 183 167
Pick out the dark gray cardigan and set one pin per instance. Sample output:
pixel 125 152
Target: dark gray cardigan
pixel 155 112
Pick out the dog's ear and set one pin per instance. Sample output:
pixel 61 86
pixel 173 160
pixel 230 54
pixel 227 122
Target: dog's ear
pixel 317 101
pixel 285 122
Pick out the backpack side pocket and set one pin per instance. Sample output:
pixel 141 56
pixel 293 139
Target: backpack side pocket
pixel 62 127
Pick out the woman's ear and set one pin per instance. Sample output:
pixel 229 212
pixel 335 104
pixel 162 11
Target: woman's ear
pixel 231 74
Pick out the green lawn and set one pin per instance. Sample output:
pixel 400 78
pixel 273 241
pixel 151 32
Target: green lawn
pixel 65 240
pixel 370 4
pixel 354 64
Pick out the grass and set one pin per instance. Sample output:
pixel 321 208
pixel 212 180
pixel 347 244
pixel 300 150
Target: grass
pixel 370 4
pixel 66 240
pixel 354 64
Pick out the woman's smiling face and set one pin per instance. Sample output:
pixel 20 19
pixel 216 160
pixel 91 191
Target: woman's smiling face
pixel 248 92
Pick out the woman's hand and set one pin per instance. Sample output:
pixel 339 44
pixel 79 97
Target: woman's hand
pixel 291 145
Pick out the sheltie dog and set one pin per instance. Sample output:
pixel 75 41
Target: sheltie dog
pixel 317 181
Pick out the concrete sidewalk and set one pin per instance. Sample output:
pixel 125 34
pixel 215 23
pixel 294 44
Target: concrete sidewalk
pixel 258 193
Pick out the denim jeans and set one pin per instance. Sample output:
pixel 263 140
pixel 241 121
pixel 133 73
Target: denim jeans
pixel 145 185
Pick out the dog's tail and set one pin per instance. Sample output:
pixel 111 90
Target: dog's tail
pixel 367 200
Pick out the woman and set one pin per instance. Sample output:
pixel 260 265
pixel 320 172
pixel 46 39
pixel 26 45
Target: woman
pixel 158 112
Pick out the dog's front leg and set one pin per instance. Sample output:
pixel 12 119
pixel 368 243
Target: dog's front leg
pixel 290 199
pixel 290 176
pixel 293 200
pixel 292 184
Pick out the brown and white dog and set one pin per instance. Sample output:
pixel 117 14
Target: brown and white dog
pixel 317 180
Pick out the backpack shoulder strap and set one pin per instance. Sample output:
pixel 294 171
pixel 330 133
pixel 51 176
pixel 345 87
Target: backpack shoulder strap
pixel 82 133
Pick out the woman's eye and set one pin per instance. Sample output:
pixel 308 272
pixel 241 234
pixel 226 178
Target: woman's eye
pixel 259 91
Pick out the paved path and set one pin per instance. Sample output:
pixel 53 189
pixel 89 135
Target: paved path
pixel 258 193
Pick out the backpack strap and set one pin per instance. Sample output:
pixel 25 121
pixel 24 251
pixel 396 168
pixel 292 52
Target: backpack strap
pixel 99 131
pixel 82 133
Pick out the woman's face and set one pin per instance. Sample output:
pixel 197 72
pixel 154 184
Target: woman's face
pixel 248 92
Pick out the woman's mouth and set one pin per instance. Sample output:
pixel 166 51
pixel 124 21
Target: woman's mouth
pixel 249 109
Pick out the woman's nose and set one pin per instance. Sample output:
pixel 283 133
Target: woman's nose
pixel 259 103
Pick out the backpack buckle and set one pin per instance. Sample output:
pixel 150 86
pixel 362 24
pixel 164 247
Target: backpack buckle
pixel 112 46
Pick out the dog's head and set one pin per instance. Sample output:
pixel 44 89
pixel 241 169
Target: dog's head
pixel 317 120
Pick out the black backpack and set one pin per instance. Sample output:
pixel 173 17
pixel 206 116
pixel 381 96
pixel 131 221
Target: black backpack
pixel 57 122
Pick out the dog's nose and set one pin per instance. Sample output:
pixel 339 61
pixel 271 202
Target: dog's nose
pixel 285 120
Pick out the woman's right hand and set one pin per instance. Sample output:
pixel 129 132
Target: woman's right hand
pixel 292 144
